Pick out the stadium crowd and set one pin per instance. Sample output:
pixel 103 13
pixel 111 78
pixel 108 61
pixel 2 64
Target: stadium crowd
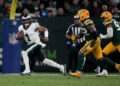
pixel 51 8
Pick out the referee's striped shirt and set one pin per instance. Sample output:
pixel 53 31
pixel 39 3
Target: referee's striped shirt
pixel 76 30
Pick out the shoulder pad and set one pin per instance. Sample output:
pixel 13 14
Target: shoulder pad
pixel 107 22
pixel 20 27
pixel 88 22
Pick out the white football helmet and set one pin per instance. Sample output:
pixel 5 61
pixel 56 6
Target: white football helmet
pixel 26 19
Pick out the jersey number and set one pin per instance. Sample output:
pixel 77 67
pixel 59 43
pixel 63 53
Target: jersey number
pixel 28 38
pixel 117 25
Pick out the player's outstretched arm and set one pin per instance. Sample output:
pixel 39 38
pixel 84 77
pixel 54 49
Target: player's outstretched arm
pixel 41 28
pixel 109 32
pixel 68 36
pixel 45 30
pixel 93 33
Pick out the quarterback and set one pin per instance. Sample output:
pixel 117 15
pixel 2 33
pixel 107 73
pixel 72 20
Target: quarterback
pixel 30 32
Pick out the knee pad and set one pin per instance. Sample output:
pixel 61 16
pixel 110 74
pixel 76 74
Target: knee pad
pixel 104 55
pixel 23 53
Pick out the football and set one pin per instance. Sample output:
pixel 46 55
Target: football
pixel 20 35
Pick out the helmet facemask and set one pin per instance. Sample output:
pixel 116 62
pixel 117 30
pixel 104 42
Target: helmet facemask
pixel 83 14
pixel 26 20
pixel 103 19
pixel 106 16
pixel 26 23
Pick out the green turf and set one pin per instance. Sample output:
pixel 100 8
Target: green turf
pixel 57 80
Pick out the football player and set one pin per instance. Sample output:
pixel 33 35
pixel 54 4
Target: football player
pixel 113 32
pixel 75 43
pixel 93 45
pixel 30 32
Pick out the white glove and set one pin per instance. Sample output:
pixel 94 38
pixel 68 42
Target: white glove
pixel 101 36
pixel 43 45
pixel 40 43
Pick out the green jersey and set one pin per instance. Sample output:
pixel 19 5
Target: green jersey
pixel 85 24
pixel 116 31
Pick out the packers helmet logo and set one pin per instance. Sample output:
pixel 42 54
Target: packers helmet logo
pixel 106 14
pixel 81 13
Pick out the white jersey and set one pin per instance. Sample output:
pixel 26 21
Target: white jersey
pixel 31 35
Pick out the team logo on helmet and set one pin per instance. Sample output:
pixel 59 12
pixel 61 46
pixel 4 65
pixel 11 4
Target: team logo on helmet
pixel 26 19
pixel 83 14
pixel 106 15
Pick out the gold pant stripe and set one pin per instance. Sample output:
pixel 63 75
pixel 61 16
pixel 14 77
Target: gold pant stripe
pixel 97 51
pixel 82 51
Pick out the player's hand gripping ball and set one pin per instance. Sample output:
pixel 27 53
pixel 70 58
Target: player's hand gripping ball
pixel 20 35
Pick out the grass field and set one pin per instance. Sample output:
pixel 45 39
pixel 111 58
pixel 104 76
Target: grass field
pixel 49 79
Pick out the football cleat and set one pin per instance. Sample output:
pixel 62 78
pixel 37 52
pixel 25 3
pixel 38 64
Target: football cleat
pixel 63 69
pixel 70 72
pixel 117 66
pixel 26 72
pixel 104 73
pixel 97 70
pixel 76 74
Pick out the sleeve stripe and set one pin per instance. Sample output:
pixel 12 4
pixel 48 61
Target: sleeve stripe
pixel 69 28
pixel 107 22
pixel 90 22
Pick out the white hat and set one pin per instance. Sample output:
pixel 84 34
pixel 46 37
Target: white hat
pixel 76 17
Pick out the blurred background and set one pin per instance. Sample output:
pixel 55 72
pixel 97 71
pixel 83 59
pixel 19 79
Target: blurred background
pixel 57 16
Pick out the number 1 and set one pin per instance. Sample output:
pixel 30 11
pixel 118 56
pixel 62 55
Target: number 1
pixel 28 37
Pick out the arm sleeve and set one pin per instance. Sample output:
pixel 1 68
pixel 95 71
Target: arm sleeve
pixel 68 31
pixel 92 31
pixel 84 31
pixel 108 35
pixel 94 35
pixel 20 28
pixel 37 24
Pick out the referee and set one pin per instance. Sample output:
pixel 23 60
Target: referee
pixel 74 43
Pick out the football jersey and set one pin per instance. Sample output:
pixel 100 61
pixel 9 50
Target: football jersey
pixel 76 30
pixel 116 31
pixel 31 35
pixel 85 24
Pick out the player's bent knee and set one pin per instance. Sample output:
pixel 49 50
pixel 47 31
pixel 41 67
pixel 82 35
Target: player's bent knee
pixel 23 53
pixel 105 53
pixel 42 59
pixel 100 59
